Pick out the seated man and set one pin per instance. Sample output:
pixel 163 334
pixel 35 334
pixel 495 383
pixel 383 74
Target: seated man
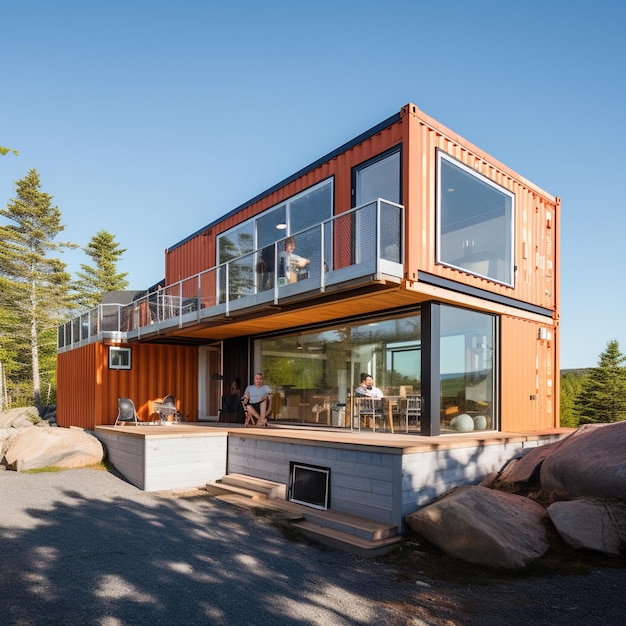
pixel 256 402
pixel 366 388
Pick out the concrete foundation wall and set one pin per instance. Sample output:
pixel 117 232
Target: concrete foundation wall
pixel 155 463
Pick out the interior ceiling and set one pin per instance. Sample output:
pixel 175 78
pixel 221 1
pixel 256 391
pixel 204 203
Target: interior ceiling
pixel 326 308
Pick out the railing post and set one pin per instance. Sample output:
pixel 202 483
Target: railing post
pixel 378 239
pixel 323 259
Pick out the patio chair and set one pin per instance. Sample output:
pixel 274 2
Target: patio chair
pixel 126 412
pixel 368 408
pixel 167 410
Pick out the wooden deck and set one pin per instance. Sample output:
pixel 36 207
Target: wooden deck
pixel 378 476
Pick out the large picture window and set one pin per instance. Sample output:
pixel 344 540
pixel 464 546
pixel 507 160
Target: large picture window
pixel 474 222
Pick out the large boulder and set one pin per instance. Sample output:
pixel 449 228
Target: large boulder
pixel 590 463
pixel 34 448
pixel 592 525
pixel 525 469
pixel 485 526
pixel 21 417
pixel 6 434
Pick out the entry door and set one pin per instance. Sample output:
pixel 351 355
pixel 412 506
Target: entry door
pixel 210 387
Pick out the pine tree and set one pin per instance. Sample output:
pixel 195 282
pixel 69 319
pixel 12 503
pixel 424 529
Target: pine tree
pixel 35 286
pixel 603 395
pixel 571 384
pixel 103 276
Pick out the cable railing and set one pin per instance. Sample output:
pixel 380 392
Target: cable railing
pixel 366 242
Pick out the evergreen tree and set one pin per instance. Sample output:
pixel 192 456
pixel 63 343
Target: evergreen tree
pixel 103 276
pixel 571 384
pixel 35 286
pixel 603 395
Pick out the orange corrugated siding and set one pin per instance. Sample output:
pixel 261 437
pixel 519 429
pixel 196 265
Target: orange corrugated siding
pixel 198 253
pixel 529 365
pixel 88 390
pixel 536 218
pixel 528 368
pixel 535 212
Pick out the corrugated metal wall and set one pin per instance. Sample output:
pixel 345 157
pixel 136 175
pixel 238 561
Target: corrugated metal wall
pixel 529 399
pixel 535 216
pixel 88 393
pixel 421 136
pixel 199 253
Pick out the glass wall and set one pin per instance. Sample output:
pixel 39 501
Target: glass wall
pixel 313 374
pixel 467 370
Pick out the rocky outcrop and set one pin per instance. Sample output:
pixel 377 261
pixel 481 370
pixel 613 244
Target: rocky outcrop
pixel 500 524
pixel 34 448
pixel 591 525
pixel 484 526
pixel 590 463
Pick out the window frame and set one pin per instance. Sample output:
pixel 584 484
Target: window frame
pixel 120 363
pixel 509 279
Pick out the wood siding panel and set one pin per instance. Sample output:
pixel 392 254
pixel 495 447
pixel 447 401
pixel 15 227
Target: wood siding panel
pixel 88 389
pixel 528 376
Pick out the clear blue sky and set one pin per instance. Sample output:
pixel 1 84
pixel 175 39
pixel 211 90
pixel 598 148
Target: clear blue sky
pixel 151 118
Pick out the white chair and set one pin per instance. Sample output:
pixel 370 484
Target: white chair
pixel 413 409
pixel 368 408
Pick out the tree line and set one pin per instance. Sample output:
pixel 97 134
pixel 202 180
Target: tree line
pixel 596 395
pixel 37 293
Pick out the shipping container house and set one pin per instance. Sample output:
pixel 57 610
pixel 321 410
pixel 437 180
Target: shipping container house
pixel 421 260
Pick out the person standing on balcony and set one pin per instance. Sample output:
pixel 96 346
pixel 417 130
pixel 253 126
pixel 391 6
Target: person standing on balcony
pixel 290 263
pixel 256 400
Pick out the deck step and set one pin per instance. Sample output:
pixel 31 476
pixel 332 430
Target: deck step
pixel 271 489
pixel 217 489
pixel 358 535
pixel 346 541
pixel 362 527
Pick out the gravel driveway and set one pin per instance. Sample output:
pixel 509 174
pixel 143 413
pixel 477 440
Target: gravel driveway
pixel 85 547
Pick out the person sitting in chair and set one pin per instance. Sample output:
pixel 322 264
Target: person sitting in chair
pixel 256 400
pixel 366 388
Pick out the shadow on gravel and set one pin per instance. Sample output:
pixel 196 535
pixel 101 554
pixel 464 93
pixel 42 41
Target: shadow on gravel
pixel 72 557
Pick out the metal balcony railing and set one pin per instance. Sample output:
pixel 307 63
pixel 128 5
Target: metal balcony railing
pixel 366 242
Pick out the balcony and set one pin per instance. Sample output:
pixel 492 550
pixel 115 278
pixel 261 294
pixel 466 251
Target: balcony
pixel 356 247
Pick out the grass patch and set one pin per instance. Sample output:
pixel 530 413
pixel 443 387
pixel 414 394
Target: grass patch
pixel 103 466
pixel 44 470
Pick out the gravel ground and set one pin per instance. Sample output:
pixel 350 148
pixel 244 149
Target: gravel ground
pixel 85 547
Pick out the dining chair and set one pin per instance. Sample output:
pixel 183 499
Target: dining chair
pixel 413 409
pixel 367 408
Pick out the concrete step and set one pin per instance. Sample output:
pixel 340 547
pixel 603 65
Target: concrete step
pixel 366 548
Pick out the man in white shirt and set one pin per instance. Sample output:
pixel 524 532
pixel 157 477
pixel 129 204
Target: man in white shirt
pixel 367 388
pixel 256 399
